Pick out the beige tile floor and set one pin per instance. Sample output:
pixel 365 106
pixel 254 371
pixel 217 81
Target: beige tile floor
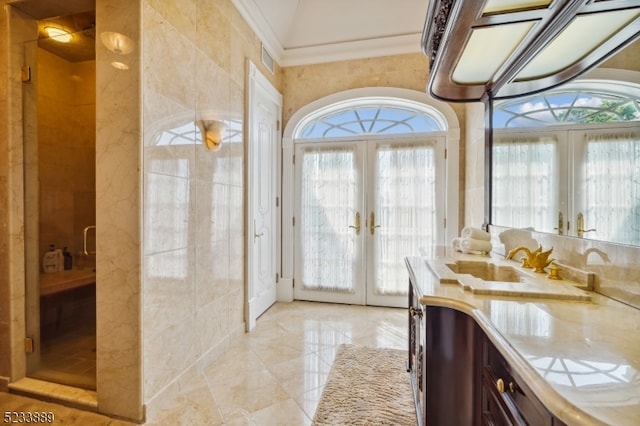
pixel 272 376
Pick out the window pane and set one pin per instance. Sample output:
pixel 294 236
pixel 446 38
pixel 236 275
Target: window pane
pixel 373 119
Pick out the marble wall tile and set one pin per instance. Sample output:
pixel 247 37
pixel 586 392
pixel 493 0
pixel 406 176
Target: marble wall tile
pixel 213 38
pixel 203 81
pixel 169 58
pixel 472 175
pixel 168 353
pixel 118 217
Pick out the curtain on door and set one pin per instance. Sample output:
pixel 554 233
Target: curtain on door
pixel 611 187
pixel 329 202
pixel 525 182
pixel 405 195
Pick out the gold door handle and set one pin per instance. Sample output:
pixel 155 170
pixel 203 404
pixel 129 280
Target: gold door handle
pixel 372 224
pixel 500 385
pixel 581 231
pixel 560 227
pixel 357 225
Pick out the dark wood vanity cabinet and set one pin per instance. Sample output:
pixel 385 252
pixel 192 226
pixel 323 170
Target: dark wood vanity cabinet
pixel 460 378
pixel 444 364
pixel 506 399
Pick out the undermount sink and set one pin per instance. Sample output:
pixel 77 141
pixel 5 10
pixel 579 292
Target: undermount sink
pixel 502 278
pixel 486 271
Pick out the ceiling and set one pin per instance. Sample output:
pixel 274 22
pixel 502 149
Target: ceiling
pixel 75 16
pixel 297 32
pixel 294 32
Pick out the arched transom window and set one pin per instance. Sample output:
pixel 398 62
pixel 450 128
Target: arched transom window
pixel 583 102
pixel 370 116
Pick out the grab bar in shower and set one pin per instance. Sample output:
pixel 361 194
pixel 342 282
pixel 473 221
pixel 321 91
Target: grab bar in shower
pixel 84 240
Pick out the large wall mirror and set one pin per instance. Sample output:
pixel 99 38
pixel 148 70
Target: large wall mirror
pixel 567 160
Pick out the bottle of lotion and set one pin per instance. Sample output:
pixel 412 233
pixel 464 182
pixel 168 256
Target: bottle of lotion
pixel 50 260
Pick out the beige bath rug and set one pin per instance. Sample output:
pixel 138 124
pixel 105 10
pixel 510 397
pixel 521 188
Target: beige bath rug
pixel 367 386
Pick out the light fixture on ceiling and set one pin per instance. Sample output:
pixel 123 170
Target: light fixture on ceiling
pixel 508 48
pixel 212 132
pixel 58 34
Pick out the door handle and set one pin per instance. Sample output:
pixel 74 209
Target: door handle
pixel 357 225
pixel 581 231
pixel 255 234
pixel 84 240
pixel 560 227
pixel 372 224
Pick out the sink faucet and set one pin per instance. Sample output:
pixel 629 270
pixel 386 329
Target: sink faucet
pixel 541 260
pixel 536 259
pixel 525 260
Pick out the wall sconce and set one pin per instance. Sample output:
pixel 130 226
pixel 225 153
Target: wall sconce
pixel 508 48
pixel 116 42
pixel 212 132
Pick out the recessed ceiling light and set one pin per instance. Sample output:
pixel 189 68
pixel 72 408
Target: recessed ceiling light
pixel 58 34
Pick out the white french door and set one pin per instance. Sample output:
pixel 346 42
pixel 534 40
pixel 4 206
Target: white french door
pixel 361 208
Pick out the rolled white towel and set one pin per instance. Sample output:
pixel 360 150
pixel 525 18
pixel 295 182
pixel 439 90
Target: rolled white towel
pixel 475 233
pixel 455 243
pixel 476 245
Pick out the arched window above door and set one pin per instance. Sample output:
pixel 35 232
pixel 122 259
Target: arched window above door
pixel 580 102
pixel 370 116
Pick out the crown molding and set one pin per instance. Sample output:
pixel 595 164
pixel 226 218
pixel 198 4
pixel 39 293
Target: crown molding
pixel 385 46
pixel 260 26
pixel 360 49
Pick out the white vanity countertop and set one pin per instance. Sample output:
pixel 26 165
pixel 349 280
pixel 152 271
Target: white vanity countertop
pixel 581 359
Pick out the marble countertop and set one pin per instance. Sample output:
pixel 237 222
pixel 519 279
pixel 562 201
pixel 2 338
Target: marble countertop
pixel 580 358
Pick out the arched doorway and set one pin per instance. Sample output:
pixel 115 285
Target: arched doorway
pixel 369 184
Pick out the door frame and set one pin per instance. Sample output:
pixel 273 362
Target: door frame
pixel 452 175
pixel 256 81
pixel 365 151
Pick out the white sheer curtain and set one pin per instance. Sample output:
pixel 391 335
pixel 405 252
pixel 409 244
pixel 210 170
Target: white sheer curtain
pixel 611 187
pixel 406 205
pixel 329 194
pixel 525 182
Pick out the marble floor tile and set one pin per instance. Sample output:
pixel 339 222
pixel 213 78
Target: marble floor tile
pixel 272 376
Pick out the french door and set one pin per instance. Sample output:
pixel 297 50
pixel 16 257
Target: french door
pixel 361 208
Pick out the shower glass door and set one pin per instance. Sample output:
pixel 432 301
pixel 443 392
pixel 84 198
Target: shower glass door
pixel 59 149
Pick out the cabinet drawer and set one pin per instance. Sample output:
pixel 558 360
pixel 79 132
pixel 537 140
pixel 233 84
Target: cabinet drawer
pixel 514 396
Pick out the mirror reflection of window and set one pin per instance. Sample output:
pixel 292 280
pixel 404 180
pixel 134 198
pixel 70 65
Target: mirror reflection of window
pixel 593 126
pixel 609 190
pixel 525 182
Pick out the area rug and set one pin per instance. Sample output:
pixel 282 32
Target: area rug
pixel 367 386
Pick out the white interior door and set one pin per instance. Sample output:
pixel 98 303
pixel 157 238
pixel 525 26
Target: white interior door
pixel 361 208
pixel 265 105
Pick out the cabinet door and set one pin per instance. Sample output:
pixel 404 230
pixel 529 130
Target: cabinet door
pixel 506 396
pixel 416 352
